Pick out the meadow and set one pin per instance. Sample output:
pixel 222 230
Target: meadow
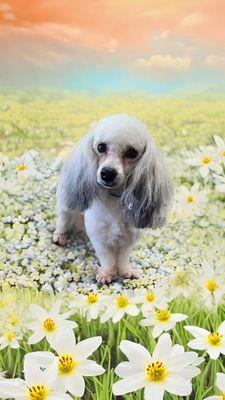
pixel 178 304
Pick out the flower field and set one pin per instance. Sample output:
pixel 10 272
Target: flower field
pixel 62 335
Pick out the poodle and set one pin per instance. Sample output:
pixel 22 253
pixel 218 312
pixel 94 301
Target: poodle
pixel 115 183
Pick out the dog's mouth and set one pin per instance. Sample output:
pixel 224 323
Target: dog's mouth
pixel 108 185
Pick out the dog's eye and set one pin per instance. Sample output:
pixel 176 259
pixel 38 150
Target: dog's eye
pixel 102 147
pixel 131 153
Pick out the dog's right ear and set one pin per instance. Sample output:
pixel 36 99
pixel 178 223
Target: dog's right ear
pixel 77 186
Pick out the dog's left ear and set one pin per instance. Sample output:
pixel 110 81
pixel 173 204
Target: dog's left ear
pixel 148 193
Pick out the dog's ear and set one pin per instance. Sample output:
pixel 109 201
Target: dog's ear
pixel 148 192
pixel 77 186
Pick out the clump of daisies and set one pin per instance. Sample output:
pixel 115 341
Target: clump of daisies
pixel 211 162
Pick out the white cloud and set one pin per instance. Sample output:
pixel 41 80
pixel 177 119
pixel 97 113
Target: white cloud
pixel 165 62
pixel 163 35
pixel 215 61
pixel 9 16
pixel 191 20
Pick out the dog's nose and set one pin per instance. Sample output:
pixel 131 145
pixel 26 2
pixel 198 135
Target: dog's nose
pixel 108 175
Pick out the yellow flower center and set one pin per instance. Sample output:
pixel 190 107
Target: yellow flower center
pixel 190 198
pixel 21 167
pixel 14 319
pixel 223 396
pixel 223 153
pixel 38 392
pixel 92 298
pixel 206 159
pixel 150 296
pixel 2 304
pixel 156 371
pixel 211 285
pixel 163 315
pixel 122 301
pixel 49 325
pixel 180 279
pixel 214 339
pixel 66 364
pixel 10 336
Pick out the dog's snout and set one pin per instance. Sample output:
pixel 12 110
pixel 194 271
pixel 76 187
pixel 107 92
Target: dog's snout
pixel 108 175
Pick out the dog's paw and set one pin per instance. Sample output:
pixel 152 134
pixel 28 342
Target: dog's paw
pixel 105 275
pixel 59 238
pixel 130 274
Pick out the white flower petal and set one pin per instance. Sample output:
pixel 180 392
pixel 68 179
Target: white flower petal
pixel 90 368
pixel 55 310
pixel 42 358
pixel 125 369
pixel 37 312
pixel 154 391
pixel 132 309
pixel 213 352
pixel 136 353
pixel 157 330
pixel 12 388
pixel 118 315
pixel 86 347
pixel 63 341
pixel 75 385
pixel 36 337
pixel 163 348
pixel 176 385
pixel 130 384
pixel 198 344
pixel 213 398
pixel 32 372
pixel 178 317
pixel 197 332
pixel 220 381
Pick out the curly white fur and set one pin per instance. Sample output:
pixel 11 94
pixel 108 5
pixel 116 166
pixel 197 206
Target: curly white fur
pixel 114 212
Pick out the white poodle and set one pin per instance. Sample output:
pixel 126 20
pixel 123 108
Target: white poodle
pixel 117 180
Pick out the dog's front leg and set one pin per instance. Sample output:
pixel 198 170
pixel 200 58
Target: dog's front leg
pixel 124 268
pixel 63 224
pixel 107 257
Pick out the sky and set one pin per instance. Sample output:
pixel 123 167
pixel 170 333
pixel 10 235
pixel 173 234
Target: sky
pixel 158 46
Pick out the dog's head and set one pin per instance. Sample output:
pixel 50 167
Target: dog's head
pixel 119 142
pixel 119 156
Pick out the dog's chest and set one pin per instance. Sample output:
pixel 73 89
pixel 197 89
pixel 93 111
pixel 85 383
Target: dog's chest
pixel 106 220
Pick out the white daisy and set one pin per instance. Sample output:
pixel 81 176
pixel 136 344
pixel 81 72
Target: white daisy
pixel 162 321
pixel 10 339
pixel 72 361
pixel 205 158
pixel 46 324
pixel 169 369
pixel 152 298
pixel 192 200
pixel 220 383
pixel 212 342
pixel 38 384
pixel 220 148
pixel 90 305
pixel 180 283
pixel 220 183
pixel 119 305
pixel 212 285
pixel 25 167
